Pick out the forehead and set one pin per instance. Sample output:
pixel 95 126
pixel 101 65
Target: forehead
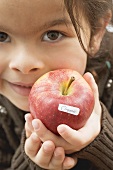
pixel 29 7
pixel 29 13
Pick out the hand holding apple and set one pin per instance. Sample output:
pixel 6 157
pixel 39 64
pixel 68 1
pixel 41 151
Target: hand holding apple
pixel 61 97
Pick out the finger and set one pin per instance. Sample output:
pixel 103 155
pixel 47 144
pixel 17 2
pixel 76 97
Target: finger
pixel 28 124
pixel 73 137
pixel 69 162
pixel 45 154
pixel 89 78
pixel 46 134
pixel 32 145
pixel 82 137
pixel 58 157
pixel 91 81
pixel 78 139
pixel 27 130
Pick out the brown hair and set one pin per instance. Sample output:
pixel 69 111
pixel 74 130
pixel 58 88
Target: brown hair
pixel 92 10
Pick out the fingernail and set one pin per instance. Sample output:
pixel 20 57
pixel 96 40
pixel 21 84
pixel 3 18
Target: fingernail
pixel 57 153
pixel 35 125
pixel 61 129
pixel 35 136
pixel 48 148
pixel 70 163
pixel 25 117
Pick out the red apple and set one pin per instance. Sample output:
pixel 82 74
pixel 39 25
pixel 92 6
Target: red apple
pixel 61 97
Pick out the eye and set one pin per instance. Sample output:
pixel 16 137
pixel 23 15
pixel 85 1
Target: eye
pixel 4 37
pixel 52 36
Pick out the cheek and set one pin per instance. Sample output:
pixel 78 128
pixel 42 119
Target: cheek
pixel 69 59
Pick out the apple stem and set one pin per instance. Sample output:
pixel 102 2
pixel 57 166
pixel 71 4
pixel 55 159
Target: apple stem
pixel 68 85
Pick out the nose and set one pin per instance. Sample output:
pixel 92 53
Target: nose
pixel 26 62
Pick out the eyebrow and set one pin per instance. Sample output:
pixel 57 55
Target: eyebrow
pixel 61 21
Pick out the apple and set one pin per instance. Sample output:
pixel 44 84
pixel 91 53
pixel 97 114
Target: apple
pixel 61 97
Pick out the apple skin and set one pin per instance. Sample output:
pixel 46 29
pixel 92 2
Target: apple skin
pixel 47 93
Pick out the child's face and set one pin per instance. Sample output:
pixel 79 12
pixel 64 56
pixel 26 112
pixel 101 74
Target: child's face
pixel 29 48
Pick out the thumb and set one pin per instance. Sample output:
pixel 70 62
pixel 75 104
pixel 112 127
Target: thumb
pixel 69 162
pixel 91 81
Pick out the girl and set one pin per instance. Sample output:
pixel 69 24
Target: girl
pixel 36 37
pixel 96 151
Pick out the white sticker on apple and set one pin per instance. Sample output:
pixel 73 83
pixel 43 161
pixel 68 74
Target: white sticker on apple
pixel 69 109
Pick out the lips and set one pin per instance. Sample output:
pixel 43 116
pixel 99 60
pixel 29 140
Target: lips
pixel 21 88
